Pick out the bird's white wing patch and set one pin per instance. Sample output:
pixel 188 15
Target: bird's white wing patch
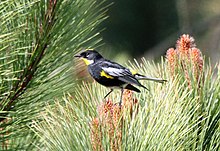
pixel 122 74
pixel 115 71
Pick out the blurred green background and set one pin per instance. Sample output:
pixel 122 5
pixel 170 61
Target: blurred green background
pixel 148 28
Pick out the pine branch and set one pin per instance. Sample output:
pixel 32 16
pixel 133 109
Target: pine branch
pixel 182 114
pixel 39 40
pixel 28 73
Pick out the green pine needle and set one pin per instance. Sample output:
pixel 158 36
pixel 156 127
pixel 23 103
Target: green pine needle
pixel 169 116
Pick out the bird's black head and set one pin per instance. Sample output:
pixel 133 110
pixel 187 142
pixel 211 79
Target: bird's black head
pixel 89 56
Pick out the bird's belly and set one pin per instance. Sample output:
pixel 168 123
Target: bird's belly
pixel 110 82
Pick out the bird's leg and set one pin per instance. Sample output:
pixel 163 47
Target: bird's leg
pixel 121 97
pixel 108 93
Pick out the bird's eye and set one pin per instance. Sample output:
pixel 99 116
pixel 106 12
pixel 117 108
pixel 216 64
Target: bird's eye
pixel 87 56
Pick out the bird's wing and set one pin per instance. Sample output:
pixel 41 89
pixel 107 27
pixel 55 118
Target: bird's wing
pixel 116 70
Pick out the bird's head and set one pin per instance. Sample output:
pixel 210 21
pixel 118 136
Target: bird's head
pixel 89 56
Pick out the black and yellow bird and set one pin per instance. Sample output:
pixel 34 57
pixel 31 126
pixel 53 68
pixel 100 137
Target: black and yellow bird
pixel 112 74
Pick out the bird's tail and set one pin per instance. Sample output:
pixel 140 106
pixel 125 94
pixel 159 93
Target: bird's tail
pixel 131 87
pixel 142 77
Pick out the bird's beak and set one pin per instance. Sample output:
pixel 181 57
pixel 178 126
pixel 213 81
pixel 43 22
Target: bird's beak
pixel 77 56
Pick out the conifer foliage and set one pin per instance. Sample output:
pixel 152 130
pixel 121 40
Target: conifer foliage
pixel 182 114
pixel 37 42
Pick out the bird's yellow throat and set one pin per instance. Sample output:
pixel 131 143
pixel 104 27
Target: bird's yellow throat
pixel 88 62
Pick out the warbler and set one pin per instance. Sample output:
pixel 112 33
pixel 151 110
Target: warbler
pixel 112 74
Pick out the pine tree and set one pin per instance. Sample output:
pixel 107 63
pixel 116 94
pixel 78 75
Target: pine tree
pixel 182 114
pixel 38 40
